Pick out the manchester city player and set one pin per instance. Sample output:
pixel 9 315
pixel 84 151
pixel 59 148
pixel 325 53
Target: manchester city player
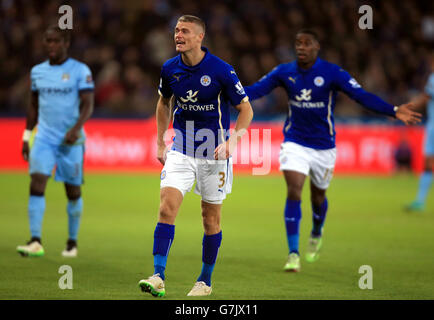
pixel 426 99
pixel 309 144
pixel 61 102
pixel 203 87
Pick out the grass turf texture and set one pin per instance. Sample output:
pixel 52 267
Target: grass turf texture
pixel 365 226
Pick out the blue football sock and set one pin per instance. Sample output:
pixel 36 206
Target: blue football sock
pixel 424 186
pixel 292 223
pixel 319 214
pixel 74 209
pixel 160 265
pixel 36 211
pixel 163 238
pixel 210 248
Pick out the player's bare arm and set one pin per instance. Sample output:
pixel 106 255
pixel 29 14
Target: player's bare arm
pixel 245 116
pixel 31 120
pixel 163 118
pixel 86 109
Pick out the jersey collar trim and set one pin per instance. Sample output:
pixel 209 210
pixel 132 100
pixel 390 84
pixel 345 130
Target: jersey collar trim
pixel 315 65
pixel 197 66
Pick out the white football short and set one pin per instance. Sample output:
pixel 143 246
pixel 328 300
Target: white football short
pixel 317 164
pixel 213 177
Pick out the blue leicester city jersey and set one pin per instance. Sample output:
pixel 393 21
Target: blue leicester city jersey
pixel 58 88
pixel 429 90
pixel 312 97
pixel 202 97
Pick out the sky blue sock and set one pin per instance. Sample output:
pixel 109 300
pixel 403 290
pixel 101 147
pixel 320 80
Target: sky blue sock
pixel 163 238
pixel 292 223
pixel 210 248
pixel 424 185
pixel 36 211
pixel 319 214
pixel 74 209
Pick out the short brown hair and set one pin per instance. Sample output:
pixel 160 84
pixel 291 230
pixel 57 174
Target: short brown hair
pixel 193 19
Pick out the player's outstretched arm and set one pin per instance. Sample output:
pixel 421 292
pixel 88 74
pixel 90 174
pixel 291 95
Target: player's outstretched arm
pixel 370 101
pixel 264 85
pixel 31 120
pixel 86 110
pixel 163 119
pixel 407 115
pixel 245 116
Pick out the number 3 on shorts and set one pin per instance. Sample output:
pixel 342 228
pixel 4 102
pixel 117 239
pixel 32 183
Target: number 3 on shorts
pixel 222 179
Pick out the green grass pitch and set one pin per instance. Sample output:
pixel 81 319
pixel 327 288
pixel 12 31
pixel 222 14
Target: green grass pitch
pixel 365 226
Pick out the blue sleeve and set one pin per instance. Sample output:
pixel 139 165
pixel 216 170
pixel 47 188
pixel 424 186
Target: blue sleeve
pixel 346 83
pixel 85 81
pixel 232 86
pixel 164 88
pixel 264 86
pixel 429 88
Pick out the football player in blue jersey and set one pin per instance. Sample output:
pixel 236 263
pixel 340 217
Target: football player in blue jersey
pixel 426 99
pixel 61 102
pixel 203 87
pixel 309 144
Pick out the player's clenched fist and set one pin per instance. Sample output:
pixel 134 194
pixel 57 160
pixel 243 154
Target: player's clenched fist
pixel 72 136
pixel 224 150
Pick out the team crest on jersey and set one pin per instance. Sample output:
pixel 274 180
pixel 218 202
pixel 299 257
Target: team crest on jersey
pixel 163 175
pixel 319 81
pixel 205 80
pixel 89 79
pixel 65 77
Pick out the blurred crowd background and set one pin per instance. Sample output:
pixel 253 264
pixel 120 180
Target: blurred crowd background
pixel 125 43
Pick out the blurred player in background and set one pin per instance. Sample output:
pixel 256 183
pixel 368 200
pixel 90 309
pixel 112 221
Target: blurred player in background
pixel 203 87
pixel 61 102
pixel 426 99
pixel 309 145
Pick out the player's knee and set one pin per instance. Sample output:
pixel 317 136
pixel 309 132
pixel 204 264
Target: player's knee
pixel 294 193
pixel 211 224
pixel 167 212
pixel 73 195
pixel 37 185
pixel 317 199
pixel 72 192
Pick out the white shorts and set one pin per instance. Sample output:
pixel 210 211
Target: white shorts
pixel 318 164
pixel 213 177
